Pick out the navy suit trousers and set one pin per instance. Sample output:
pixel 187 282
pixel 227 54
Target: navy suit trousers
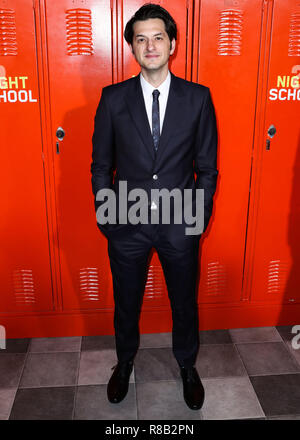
pixel 129 261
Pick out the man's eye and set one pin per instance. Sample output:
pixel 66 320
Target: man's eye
pixel 140 40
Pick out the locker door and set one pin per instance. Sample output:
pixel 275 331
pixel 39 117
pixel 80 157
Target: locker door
pixel 155 290
pixel 182 14
pixel 273 246
pixel 226 59
pixel 79 65
pixel 24 255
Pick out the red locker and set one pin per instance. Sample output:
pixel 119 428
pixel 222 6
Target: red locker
pixel 273 257
pixel 226 59
pixel 24 256
pixel 156 295
pixel 78 67
pixel 181 11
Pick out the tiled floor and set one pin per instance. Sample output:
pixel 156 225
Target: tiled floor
pixel 249 373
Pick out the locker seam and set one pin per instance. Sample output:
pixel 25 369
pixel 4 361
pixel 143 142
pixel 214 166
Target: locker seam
pixel 58 303
pixel 263 69
pixel 41 96
pixel 186 39
pixel 198 40
pixel 248 297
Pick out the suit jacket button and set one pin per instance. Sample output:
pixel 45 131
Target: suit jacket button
pixel 155 176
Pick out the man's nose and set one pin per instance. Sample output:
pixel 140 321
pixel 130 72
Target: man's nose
pixel 150 44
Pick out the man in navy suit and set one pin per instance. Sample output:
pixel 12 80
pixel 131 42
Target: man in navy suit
pixel 154 131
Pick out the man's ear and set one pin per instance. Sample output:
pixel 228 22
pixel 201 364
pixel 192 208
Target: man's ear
pixel 172 46
pixel 131 48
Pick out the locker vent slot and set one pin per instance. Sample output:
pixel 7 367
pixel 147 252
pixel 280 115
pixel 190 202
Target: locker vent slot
pixel 230 32
pixel 24 287
pixel 8 39
pixel 155 285
pixel 294 35
pixel 89 284
pixel 277 276
pixel 216 282
pixel 79 32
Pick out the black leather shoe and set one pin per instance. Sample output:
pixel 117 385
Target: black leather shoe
pixel 118 383
pixel 193 391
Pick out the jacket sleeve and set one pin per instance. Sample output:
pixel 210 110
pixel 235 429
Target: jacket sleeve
pixel 206 155
pixel 102 166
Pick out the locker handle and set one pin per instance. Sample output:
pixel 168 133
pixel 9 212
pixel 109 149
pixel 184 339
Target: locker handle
pixel 60 134
pixel 271 133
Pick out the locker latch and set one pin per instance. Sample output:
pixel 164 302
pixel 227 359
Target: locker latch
pixel 271 133
pixel 60 134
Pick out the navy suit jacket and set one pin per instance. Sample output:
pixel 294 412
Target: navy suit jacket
pixel 123 143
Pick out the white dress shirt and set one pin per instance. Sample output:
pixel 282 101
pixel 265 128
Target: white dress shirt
pixel 162 99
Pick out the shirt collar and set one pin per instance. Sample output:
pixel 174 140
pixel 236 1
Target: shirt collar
pixel 148 88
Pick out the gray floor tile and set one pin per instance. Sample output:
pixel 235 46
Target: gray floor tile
pixel 267 358
pixel 46 371
pixel 11 366
pixel 43 404
pixel 96 367
pixel 17 345
pixel 106 342
pixel 7 396
pixel 92 404
pixel 215 337
pixel 230 398
pixel 156 340
pixel 155 364
pixel 50 369
pixel 278 394
pixel 219 361
pixel 255 334
pixel 40 345
pixel 163 401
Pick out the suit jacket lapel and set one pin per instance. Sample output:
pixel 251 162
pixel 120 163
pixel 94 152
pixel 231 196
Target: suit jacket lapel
pixel 173 116
pixel 137 109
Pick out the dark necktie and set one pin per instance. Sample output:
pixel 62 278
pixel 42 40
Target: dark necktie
pixel 155 119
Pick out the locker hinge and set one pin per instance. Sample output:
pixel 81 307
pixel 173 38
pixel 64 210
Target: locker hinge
pixel 43 157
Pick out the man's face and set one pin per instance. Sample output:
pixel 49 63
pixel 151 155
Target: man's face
pixel 151 44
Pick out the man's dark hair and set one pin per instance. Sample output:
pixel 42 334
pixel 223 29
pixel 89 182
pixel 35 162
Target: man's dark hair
pixel 151 10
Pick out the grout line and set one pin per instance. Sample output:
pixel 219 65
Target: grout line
pixel 76 381
pixel 275 374
pixel 283 415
